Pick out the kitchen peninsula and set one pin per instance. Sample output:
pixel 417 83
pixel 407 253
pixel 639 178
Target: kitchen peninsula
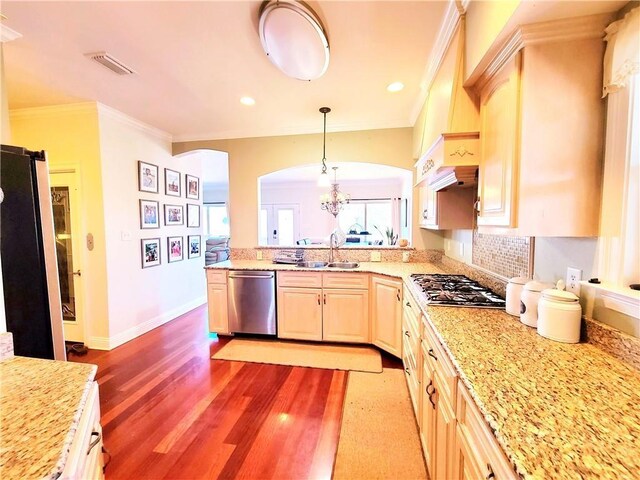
pixel 547 409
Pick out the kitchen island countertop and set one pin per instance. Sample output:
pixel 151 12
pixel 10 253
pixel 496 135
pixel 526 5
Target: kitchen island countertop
pixel 41 402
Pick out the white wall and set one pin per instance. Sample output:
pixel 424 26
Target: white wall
pixel 141 299
pixel 552 256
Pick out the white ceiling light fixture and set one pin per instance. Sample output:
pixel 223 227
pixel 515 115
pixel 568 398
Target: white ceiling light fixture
pixel 323 179
pixel 294 39
pixel 248 101
pixel 395 86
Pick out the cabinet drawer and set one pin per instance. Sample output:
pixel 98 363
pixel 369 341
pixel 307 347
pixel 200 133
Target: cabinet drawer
pixel 410 302
pixel 299 279
pixel 345 280
pixel 482 445
pixel 434 353
pixel 413 381
pixel 410 334
pixel 216 276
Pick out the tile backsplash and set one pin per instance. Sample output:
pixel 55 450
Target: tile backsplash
pixel 505 256
pixel 353 254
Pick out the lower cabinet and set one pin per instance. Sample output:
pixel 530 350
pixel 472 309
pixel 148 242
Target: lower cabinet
pixel 445 431
pixel 386 314
pixel 85 454
pixel 217 303
pixel 345 315
pixel 300 313
pixel 427 420
pixel 323 306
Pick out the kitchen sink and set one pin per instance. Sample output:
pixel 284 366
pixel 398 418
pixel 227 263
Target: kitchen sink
pixel 344 265
pixel 312 264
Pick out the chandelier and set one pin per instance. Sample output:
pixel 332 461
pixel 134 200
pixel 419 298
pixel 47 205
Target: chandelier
pixel 333 201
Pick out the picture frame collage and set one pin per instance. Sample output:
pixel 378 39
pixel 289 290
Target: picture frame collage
pixel 172 214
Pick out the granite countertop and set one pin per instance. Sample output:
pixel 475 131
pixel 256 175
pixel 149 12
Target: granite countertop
pixel 392 269
pixel 561 411
pixel 41 402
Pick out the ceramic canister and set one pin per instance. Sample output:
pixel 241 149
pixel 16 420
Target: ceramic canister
pixel 514 289
pixel 559 316
pixel 529 297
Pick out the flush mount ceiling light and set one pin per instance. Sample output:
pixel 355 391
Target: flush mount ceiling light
pixel 294 39
pixel 247 101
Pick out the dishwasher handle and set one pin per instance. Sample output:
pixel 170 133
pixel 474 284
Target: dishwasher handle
pixel 251 274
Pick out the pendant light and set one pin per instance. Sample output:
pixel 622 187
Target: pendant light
pixel 324 180
pixel 333 201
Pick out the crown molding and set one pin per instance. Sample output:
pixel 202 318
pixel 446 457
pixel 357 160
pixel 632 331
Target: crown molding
pixel 564 30
pixel 455 10
pixel 7 34
pixel 132 122
pixel 53 110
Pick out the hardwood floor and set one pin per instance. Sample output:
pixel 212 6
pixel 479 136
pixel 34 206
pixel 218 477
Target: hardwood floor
pixel 169 411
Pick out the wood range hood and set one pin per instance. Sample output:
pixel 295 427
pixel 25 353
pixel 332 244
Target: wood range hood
pixel 450 159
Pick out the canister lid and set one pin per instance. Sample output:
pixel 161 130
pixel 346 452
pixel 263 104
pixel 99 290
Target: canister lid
pixel 519 280
pixel 559 295
pixel 536 286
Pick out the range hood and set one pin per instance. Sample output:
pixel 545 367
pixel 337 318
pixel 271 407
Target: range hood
pixel 452 161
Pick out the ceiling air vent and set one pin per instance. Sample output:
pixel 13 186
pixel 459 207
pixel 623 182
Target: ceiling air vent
pixel 111 63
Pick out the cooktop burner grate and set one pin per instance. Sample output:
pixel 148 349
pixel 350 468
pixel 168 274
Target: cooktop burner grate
pixel 457 291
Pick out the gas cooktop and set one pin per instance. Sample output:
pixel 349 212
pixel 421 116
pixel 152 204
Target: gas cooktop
pixel 456 291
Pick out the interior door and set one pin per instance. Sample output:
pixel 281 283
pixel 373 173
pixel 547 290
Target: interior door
pixel 64 198
pixel 279 224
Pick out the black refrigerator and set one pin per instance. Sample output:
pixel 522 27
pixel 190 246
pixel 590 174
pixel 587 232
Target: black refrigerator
pixel 27 247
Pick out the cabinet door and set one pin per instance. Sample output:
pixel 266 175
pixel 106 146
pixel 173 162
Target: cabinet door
pixel 499 144
pixel 429 211
pixel 465 466
pixel 345 315
pixel 427 422
pixel 300 313
pixel 445 430
pixel 386 314
pixel 217 302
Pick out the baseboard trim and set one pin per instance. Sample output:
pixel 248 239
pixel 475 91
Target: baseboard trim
pixel 109 343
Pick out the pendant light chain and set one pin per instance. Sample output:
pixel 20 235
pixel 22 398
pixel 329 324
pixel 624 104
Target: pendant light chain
pixel 324 111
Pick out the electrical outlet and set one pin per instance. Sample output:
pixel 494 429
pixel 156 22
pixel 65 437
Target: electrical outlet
pixel 461 249
pixel 375 256
pixel 259 255
pixel 573 280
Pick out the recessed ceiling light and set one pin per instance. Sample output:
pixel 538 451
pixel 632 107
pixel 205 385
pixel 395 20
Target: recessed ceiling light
pixel 395 86
pixel 247 101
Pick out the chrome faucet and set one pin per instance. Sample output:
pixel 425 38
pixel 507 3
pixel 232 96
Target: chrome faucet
pixel 333 242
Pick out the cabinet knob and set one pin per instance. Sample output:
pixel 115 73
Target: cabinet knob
pixel 398 295
pixel 406 369
pixel 406 332
pixel 408 304
pixel 318 299
pixel 490 473
pixel 96 436
pixel 325 298
pixel 431 354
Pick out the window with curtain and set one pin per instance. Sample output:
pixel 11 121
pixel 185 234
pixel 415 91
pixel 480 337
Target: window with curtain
pixel 216 220
pixel 619 243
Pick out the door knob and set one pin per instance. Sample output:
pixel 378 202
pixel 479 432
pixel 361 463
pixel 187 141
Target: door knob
pixel 78 273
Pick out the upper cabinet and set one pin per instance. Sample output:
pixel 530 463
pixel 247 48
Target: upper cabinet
pixel 542 131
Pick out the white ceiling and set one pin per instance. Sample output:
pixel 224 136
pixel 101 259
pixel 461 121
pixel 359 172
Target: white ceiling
pixel 194 60
pixel 347 171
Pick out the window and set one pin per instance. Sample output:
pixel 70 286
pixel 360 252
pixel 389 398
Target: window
pixel 216 220
pixel 367 215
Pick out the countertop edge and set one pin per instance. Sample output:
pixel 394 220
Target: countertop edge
pixel 66 447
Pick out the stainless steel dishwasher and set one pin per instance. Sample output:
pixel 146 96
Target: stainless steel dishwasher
pixel 252 302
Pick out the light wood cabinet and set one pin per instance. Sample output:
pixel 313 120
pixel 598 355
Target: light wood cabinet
pixel 339 312
pixel 217 304
pixel 300 313
pixel 345 315
pixel 427 419
pixel 542 132
pixel 85 453
pixel 386 314
pixel 499 112
pixel 444 431
pixel 447 209
pixel 411 351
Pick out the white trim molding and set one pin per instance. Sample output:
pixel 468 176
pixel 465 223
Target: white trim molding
pixel 132 122
pixel 564 30
pixel 54 110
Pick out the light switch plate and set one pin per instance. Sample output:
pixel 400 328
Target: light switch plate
pixel 573 280
pixel 125 236
pixel 375 256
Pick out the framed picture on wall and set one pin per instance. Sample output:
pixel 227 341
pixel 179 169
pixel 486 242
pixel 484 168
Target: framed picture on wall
pixel 149 214
pixel 193 215
pixel 193 187
pixel 172 183
pixel 173 215
pixel 193 242
pixel 174 247
pixel 147 177
pixel 150 252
